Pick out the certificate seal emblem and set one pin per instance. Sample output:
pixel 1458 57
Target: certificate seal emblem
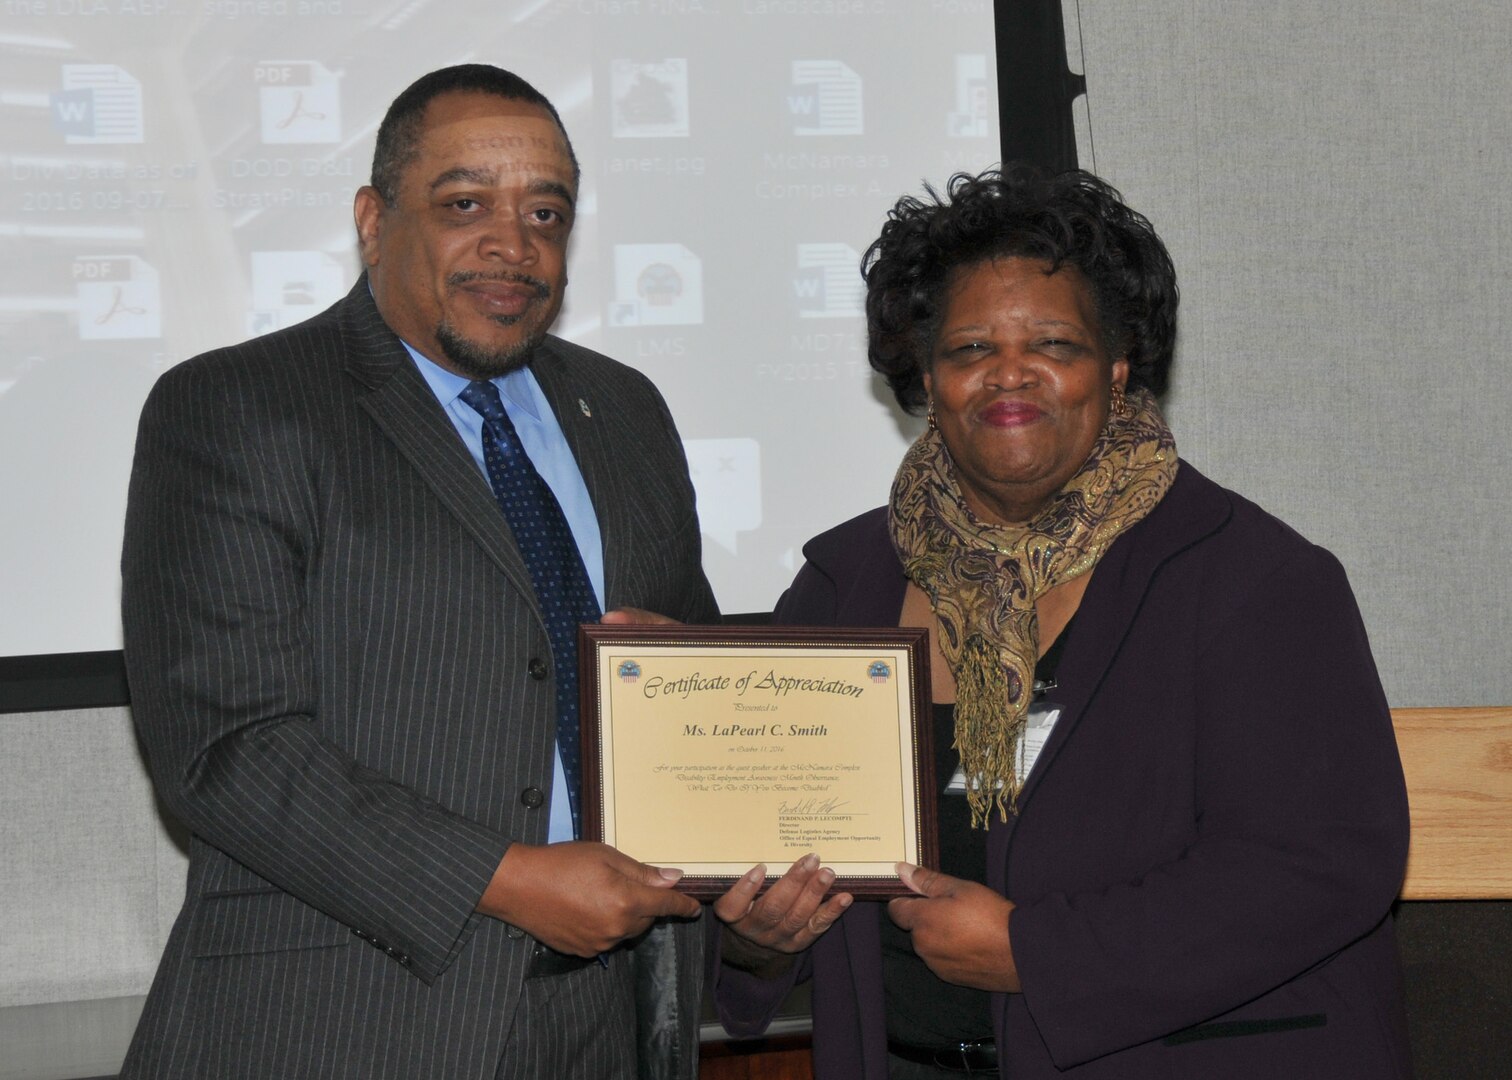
pixel 628 671
pixel 879 671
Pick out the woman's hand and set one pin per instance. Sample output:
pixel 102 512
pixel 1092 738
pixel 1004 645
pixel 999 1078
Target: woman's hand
pixel 762 933
pixel 959 929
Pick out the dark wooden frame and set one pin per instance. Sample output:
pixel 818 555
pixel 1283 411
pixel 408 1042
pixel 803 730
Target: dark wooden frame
pixel 912 640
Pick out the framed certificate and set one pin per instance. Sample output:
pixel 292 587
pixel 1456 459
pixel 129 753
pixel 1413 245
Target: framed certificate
pixel 712 749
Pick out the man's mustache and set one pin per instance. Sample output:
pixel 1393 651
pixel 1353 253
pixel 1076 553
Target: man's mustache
pixel 467 277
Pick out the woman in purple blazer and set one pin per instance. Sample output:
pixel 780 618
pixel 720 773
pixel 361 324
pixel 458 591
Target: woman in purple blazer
pixel 1176 819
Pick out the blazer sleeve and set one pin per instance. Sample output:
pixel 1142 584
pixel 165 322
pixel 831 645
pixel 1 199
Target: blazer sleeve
pixel 1300 839
pixel 219 536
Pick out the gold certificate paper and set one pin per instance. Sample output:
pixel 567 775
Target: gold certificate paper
pixel 712 749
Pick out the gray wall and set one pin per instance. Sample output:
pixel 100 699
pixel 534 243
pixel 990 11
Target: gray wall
pixel 91 878
pixel 1332 182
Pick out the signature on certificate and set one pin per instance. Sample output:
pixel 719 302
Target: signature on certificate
pixel 811 807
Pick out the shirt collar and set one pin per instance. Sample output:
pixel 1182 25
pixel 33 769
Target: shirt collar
pixel 516 387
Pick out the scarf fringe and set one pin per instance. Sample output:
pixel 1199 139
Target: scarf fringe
pixel 987 745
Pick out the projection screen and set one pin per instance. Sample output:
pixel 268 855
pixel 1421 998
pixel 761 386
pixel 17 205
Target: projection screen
pixel 178 175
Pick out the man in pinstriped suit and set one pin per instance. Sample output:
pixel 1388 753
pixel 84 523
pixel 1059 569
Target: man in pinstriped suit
pixel 340 675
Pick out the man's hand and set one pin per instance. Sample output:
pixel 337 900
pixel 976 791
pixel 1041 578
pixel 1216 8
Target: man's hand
pixel 959 929
pixel 761 933
pixel 581 898
pixel 632 616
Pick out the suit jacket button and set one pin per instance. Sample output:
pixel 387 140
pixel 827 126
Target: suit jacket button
pixel 537 668
pixel 532 798
pixel 513 932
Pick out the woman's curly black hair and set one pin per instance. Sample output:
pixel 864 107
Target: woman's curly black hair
pixel 1070 219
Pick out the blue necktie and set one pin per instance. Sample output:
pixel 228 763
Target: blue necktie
pixel 563 591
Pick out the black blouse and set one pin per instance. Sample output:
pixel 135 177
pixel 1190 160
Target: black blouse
pixel 922 1009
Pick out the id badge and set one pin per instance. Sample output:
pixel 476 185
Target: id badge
pixel 1037 727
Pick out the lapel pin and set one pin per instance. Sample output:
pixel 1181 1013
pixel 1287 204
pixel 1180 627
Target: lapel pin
pixel 584 406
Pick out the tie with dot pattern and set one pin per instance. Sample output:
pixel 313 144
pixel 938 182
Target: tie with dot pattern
pixel 563 591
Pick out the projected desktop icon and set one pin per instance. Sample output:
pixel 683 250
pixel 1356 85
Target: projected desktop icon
pixel 656 285
pixel 828 283
pixel 290 286
pixel 118 296
pixel 973 94
pixel 649 99
pixel 727 481
pixel 299 101
pixel 825 98
pixel 99 104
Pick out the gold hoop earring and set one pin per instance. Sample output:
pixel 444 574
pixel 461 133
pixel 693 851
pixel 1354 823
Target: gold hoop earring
pixel 1121 407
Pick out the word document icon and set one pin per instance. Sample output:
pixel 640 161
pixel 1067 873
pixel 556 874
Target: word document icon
pixel 825 98
pixel 828 284
pixel 99 104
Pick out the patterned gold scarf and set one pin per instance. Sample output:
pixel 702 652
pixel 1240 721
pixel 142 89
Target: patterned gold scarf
pixel 983 580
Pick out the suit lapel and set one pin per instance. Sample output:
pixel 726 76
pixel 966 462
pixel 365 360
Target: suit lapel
pixel 1193 509
pixel 563 385
pixel 406 411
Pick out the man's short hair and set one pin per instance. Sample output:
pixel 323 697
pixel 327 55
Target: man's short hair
pixel 399 134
